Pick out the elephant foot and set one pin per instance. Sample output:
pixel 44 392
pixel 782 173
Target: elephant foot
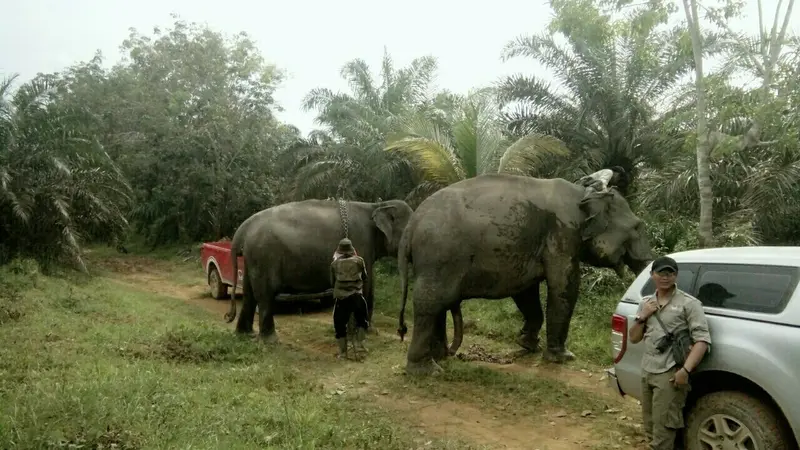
pixel 424 368
pixel 372 330
pixel 558 356
pixel 244 330
pixel 528 343
pixel 442 354
pixel 269 338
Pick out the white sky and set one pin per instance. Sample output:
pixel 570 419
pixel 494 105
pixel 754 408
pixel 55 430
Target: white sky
pixel 311 39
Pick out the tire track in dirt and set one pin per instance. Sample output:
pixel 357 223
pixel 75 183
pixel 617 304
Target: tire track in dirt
pixel 462 420
pixel 447 418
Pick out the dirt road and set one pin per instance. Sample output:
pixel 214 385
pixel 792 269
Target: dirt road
pixel 469 415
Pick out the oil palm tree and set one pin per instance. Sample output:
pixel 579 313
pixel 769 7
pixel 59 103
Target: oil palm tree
pixel 612 75
pixel 57 185
pixel 470 143
pixel 345 157
pixel 756 194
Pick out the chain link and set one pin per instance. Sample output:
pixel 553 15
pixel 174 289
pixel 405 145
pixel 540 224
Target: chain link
pixel 343 215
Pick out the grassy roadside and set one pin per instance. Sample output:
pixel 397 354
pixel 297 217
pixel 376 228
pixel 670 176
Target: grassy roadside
pixel 92 363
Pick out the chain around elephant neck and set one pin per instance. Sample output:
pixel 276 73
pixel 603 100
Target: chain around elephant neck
pixel 343 216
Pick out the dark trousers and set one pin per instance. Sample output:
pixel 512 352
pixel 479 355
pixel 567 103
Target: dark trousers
pixel 354 304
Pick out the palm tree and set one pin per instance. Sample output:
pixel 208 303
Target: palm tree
pixel 756 195
pixel 612 74
pixel 471 143
pixel 57 185
pixel 369 112
pixel 345 158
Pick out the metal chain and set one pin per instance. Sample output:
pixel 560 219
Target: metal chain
pixel 343 216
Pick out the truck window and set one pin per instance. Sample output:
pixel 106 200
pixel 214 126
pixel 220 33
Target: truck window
pixel 746 287
pixel 686 273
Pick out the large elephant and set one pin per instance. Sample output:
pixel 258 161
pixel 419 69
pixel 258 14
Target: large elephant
pixel 288 249
pixel 497 236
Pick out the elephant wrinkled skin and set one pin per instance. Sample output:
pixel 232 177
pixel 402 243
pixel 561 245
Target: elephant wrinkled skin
pixel 288 249
pixel 498 236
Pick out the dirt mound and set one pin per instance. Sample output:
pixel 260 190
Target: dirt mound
pixel 476 352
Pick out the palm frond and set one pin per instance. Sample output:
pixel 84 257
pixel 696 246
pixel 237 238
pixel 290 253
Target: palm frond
pixel 432 155
pixel 528 154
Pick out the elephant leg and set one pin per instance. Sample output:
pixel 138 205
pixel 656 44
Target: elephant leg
pixel 530 305
pixel 439 350
pixel 428 311
pixel 266 310
pixel 248 313
pixel 563 284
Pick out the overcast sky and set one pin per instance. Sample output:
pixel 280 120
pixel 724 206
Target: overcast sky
pixel 311 39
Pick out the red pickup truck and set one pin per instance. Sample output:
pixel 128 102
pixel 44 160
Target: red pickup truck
pixel 216 260
pixel 218 266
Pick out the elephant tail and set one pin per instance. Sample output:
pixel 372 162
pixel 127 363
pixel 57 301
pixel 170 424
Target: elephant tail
pixel 236 251
pixel 402 263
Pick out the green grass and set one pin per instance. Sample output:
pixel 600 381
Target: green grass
pixel 92 363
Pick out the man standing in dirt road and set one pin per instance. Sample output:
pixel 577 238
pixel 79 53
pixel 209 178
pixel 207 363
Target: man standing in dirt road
pixel 348 273
pixel 665 375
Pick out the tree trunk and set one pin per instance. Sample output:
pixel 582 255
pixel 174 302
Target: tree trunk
pixel 703 150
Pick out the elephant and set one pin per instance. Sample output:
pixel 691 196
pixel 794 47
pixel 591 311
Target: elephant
pixel 288 249
pixel 500 235
pixel 458 325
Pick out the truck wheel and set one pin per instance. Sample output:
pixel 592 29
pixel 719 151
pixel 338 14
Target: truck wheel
pixel 732 419
pixel 216 286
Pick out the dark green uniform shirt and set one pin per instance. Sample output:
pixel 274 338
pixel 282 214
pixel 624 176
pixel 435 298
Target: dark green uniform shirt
pixel 347 276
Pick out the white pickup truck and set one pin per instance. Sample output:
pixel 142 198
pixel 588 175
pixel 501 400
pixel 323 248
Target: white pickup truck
pixel 746 392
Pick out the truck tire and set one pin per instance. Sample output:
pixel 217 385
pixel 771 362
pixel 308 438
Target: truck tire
pixel 219 290
pixel 726 416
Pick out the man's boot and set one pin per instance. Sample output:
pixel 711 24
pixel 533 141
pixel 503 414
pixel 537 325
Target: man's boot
pixel 360 334
pixel 342 348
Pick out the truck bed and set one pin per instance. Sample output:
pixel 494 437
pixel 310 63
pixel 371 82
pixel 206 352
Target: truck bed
pixel 216 256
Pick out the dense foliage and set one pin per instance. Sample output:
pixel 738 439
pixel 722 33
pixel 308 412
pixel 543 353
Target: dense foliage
pixel 179 141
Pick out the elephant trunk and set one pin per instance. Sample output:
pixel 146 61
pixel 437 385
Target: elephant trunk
pixel 458 329
pixel 638 265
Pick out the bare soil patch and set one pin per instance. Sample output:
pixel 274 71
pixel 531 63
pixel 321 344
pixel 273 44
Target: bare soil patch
pixel 494 429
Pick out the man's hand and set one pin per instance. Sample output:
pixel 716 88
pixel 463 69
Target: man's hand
pixel 680 378
pixel 649 308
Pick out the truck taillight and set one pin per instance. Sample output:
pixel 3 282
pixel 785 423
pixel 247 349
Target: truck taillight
pixel 619 336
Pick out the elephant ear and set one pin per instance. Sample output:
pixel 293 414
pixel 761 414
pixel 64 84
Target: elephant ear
pixel 382 217
pixel 596 206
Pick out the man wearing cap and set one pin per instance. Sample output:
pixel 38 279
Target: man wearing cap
pixel 348 273
pixel 665 384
